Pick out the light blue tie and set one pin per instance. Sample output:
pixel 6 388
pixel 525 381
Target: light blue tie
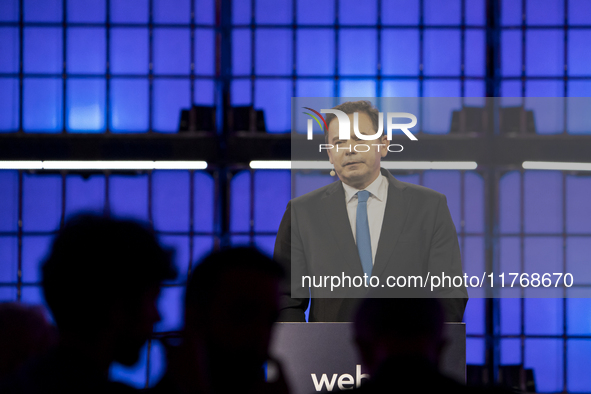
pixel 362 233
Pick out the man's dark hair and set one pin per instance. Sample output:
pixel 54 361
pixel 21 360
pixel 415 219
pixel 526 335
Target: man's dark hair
pixel 97 263
pixel 208 274
pixel 350 107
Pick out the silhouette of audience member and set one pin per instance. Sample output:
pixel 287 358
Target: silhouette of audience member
pixel 231 305
pixel 400 341
pixel 101 282
pixel 25 334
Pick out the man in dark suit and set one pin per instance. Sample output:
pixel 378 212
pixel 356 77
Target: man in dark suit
pixel 368 223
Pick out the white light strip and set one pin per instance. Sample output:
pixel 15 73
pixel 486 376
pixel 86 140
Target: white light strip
pixel 103 165
pixel 389 165
pixel 555 165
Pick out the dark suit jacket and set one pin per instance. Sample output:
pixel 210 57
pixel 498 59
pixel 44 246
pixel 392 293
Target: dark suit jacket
pixel 418 237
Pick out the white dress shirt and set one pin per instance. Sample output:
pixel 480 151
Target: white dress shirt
pixel 376 206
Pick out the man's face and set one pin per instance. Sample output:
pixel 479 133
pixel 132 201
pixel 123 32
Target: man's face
pixel 356 168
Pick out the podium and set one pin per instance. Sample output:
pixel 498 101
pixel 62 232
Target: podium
pixel 320 356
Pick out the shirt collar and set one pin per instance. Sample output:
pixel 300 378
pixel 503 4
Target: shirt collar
pixel 376 188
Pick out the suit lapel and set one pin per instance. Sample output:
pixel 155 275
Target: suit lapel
pixel 335 213
pixel 393 223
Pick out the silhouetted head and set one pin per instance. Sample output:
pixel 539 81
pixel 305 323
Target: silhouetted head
pixel 101 282
pixel 406 327
pixel 25 333
pixel 231 303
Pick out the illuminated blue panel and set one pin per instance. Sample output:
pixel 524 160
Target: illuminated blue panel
pixel 577 121
pixel 129 51
pixel 315 12
pixel 9 101
pixel 273 52
pixel 579 89
pixel 204 92
pixel 128 196
pixel 240 92
pixel 510 248
pixel 170 307
pixel 578 320
pixel 578 250
pixel 204 52
pixel 35 249
pixel 129 105
pixel 545 356
pixel 241 12
pixel 358 52
pixel 474 202
pixel 9 10
pixel 535 88
pixel 129 11
pixel 33 295
pixel 315 52
pixel 86 50
pixel 272 191
pixel 544 12
pixel 475 50
pixel 170 200
pixel 511 52
pixel 400 88
pixel 9 201
pixel 475 351
pixel 442 52
pixel 240 240
pixel 511 89
pixel 305 183
pixel 172 51
pixel 42 202
pixel 398 44
pixel 272 11
pixel 510 351
pixel 401 12
pixel 475 12
pixel 8 259
pixel 579 12
pixel 179 244
pixel 43 50
pixel 157 362
pixel 474 316
pixel 203 191
pixel 134 376
pixel 578 56
pixel 448 183
pixel 510 12
pixel 315 88
pixel 169 97
pixel 171 11
pixel 265 243
pixel 510 312
pixel 85 105
pixel 7 294
pixel 578 360
pixel 241 50
pixel 543 193
pixel 442 12
pixel 436 116
pixel 474 89
pixel 543 316
pixel 578 209
pixel 86 11
pixel 274 97
pixel 85 194
pixel 544 52
pixel 9 47
pixel 205 12
pixel 352 12
pixel 543 254
pixel 411 178
pixel 43 10
pixel 202 246
pixel 240 202
pixel 357 88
